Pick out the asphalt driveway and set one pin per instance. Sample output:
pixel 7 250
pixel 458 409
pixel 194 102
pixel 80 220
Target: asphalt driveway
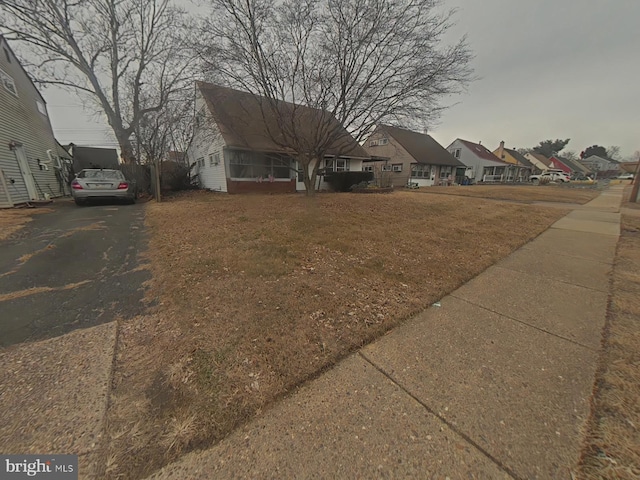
pixel 72 268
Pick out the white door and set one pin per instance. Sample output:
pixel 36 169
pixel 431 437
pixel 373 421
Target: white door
pixel 26 172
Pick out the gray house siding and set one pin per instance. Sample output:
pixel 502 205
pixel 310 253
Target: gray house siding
pixel 21 123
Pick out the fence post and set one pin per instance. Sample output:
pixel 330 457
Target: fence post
pixel 155 181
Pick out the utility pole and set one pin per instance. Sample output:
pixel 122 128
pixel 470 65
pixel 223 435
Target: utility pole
pixel 636 184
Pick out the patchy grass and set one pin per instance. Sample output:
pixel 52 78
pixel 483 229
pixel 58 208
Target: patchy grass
pixel 612 445
pixel 12 220
pixel 520 193
pixel 256 294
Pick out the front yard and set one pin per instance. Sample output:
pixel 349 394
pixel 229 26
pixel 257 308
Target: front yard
pixel 522 193
pixel 255 294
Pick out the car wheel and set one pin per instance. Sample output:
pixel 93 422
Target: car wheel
pixel 536 181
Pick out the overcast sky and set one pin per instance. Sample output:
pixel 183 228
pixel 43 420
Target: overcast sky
pixel 547 68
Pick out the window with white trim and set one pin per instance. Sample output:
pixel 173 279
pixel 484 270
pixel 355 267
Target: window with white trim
pixel 397 167
pixel 211 159
pixel 445 171
pixel 8 83
pixel 367 168
pixel 383 141
pixel 386 168
pixel 337 164
pixel 200 162
pixel 419 170
pixel 457 152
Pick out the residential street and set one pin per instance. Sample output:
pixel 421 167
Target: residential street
pixel 70 269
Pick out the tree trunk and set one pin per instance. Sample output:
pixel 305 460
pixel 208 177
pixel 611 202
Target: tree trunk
pixel 127 153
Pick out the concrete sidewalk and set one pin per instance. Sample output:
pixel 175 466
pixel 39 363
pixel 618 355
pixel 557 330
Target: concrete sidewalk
pixel 493 383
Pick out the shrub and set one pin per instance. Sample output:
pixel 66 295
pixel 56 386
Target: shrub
pixel 343 181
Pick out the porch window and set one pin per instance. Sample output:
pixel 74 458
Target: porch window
pixel 420 171
pixel 258 165
pixel 445 172
pixel 337 164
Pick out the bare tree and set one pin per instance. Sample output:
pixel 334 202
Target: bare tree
pixel 361 62
pixel 129 56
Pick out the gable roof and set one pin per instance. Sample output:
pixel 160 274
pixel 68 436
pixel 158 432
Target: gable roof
pixel 3 41
pixel 246 122
pixel 541 158
pixel 481 151
pixel 422 147
pixel 521 159
pixel 573 165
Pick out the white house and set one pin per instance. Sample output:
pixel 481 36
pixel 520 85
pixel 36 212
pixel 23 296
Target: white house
pixel 240 146
pixel 30 167
pixel 482 165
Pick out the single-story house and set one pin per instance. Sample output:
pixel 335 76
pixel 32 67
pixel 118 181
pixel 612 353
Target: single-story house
pixel 411 157
pixel 604 166
pixel 512 156
pixel 567 165
pixel 29 165
pixel 539 161
pixel 240 146
pixel 482 165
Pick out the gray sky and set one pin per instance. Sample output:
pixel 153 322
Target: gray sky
pixel 547 68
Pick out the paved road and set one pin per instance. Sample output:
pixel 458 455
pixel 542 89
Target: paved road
pixel 69 269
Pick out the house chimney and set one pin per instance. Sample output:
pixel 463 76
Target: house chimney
pixel 425 130
pixel 501 150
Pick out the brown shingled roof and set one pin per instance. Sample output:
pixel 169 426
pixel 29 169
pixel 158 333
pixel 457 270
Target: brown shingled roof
pixel 482 151
pixel 422 147
pixel 246 121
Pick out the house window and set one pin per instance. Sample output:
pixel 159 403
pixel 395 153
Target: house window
pixel 337 164
pixel 383 141
pixel 445 172
pixel 41 108
pixel 373 143
pixel 7 55
pixel 457 152
pixel 397 167
pixel 258 165
pixel 211 160
pixel 8 83
pixel 367 168
pixel 200 162
pixel 420 171
pixel 216 159
pixel 386 168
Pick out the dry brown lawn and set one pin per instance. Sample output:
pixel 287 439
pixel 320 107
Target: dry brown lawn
pixel 612 447
pixel 255 294
pixel 524 193
pixel 12 220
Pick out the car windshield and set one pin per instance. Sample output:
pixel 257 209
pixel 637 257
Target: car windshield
pixel 102 174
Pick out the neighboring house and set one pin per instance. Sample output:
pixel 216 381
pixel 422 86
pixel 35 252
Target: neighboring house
pixel 93 157
pixel 482 165
pixel 603 166
pixel 28 149
pixel 239 146
pixel 539 161
pixel 514 157
pixel 567 165
pixel 412 157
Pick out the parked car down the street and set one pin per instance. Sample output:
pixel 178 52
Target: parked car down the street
pixel 625 176
pixel 99 184
pixel 550 176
